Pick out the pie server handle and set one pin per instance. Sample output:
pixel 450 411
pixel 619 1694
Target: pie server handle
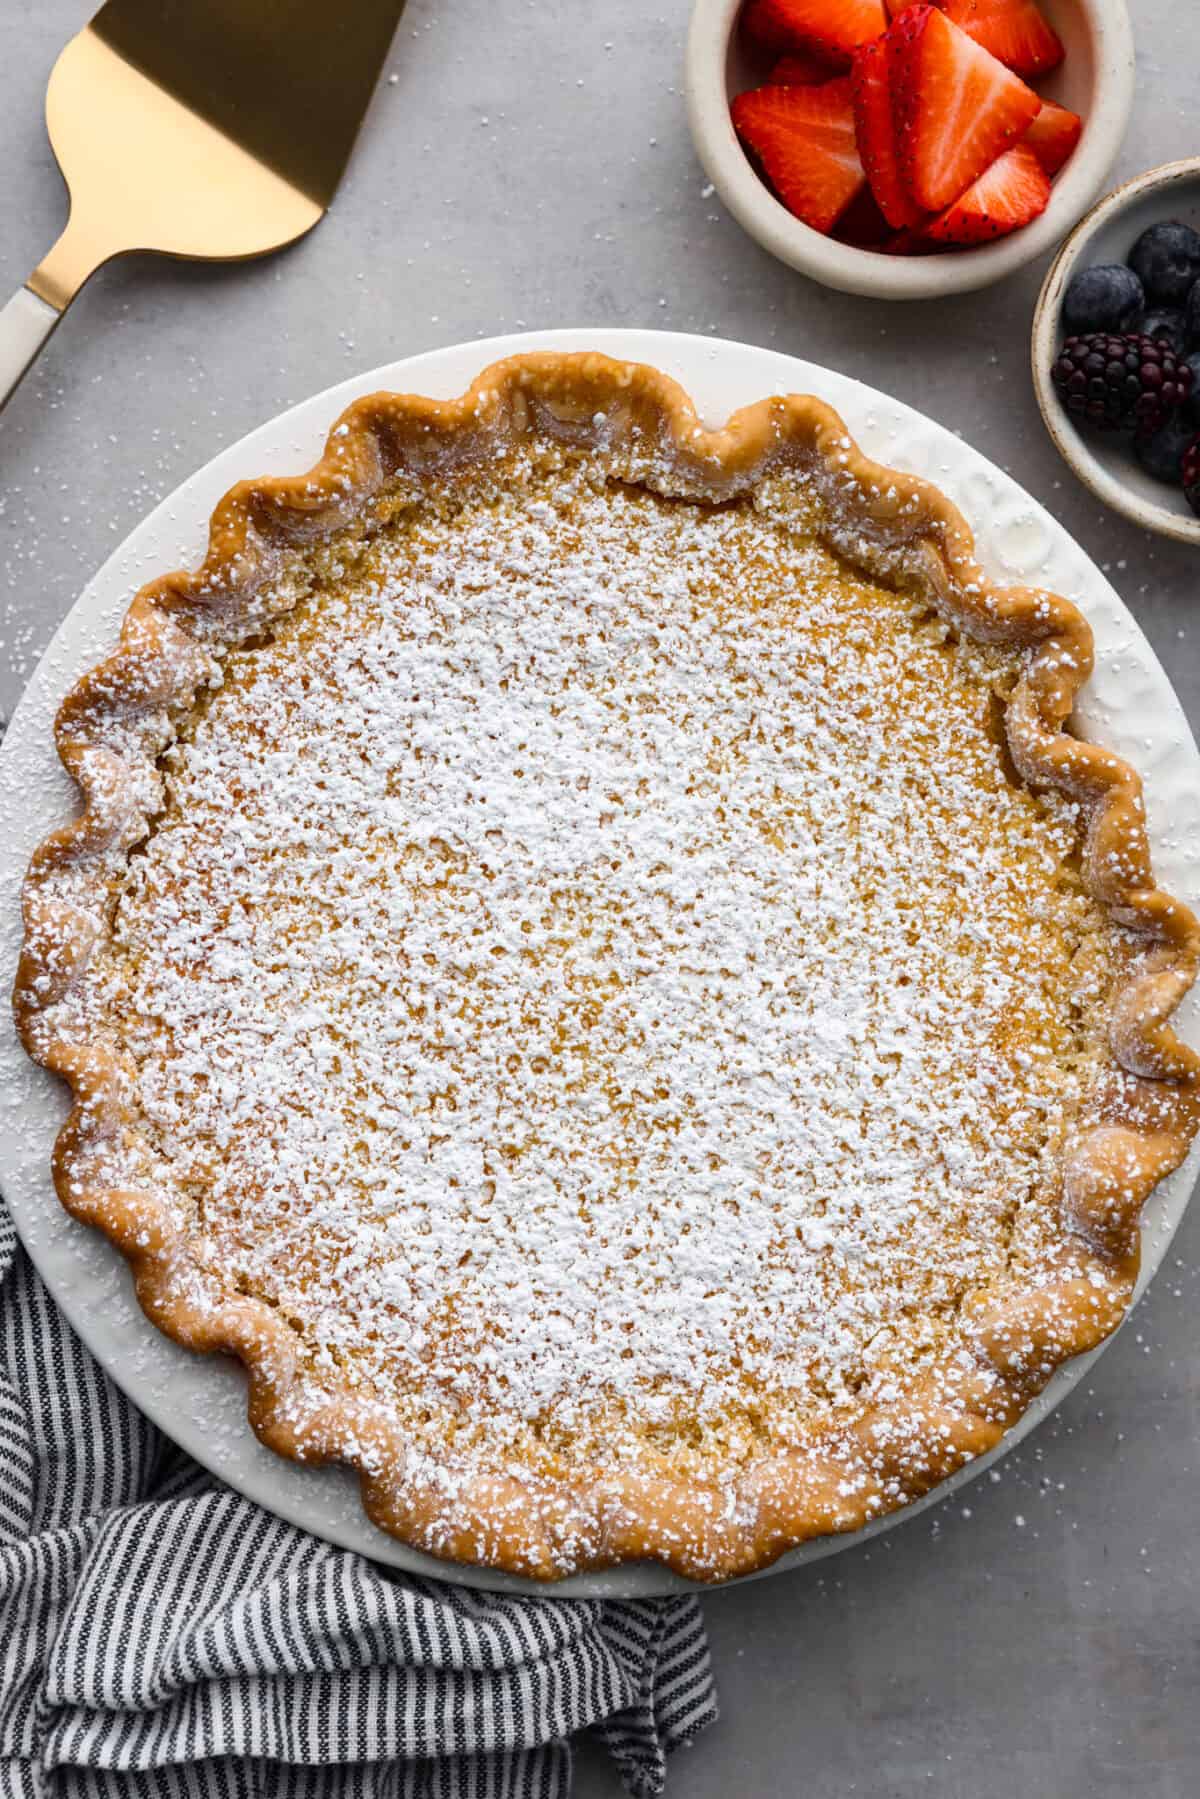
pixel 25 324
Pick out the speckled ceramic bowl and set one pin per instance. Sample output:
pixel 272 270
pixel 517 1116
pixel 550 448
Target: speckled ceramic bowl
pixel 1096 81
pixel 1107 234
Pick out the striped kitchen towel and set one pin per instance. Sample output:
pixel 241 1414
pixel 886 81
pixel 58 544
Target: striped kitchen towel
pixel 163 1638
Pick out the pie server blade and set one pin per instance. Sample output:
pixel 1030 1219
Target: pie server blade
pixel 208 129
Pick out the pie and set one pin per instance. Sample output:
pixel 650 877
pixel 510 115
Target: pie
pixel 594 962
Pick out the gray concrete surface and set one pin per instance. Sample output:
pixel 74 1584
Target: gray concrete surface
pixel 528 164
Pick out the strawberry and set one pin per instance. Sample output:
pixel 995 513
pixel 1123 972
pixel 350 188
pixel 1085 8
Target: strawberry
pixel 799 69
pixel 763 29
pixel 1014 191
pixel 909 243
pixel 875 127
pixel 831 29
pixel 760 27
pixel 804 139
pixel 1053 135
pixel 903 30
pixel 1013 30
pixel 862 224
pixel 957 107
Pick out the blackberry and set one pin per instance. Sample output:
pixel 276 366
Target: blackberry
pixel 1190 473
pixel 1191 406
pixel 1162 454
pixel 1166 260
pixel 1191 312
pixel 1106 298
pixel 1166 325
pixel 1128 383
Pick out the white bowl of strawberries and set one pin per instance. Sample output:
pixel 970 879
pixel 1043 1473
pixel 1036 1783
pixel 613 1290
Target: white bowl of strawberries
pixel 908 148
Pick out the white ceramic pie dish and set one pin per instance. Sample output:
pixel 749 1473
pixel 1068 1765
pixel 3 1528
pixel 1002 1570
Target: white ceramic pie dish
pixel 201 1402
pixel 1096 81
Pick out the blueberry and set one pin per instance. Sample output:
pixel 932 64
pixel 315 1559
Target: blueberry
pixel 1166 324
pixel 1106 298
pixel 1191 312
pixel 1162 454
pixel 1191 406
pixel 1166 260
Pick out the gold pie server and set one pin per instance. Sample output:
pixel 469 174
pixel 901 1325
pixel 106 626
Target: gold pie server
pixel 208 129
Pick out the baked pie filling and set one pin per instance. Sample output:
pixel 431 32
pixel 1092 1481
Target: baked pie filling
pixel 590 990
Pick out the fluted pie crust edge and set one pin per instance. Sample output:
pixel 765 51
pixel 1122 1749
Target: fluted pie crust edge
pixel 114 724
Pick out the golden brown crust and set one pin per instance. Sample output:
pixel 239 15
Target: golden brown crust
pixel 1139 1120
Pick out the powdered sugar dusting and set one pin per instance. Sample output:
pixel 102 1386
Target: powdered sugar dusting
pixel 565 990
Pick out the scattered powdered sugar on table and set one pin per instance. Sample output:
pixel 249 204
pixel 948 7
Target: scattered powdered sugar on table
pixel 593 975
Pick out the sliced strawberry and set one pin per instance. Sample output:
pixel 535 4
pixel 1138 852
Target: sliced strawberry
pixel 862 224
pixel 1053 135
pixel 832 29
pixel 876 130
pixel 910 243
pixel 957 107
pixel 903 30
pixel 758 26
pixel 762 29
pixel 1015 32
pixel 799 69
pixel 765 27
pixel 1013 192
pixel 804 139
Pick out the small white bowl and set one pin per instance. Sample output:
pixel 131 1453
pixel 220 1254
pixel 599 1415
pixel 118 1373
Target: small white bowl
pixel 1107 234
pixel 1096 81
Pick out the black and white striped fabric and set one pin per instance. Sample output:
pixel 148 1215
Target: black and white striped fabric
pixel 163 1638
